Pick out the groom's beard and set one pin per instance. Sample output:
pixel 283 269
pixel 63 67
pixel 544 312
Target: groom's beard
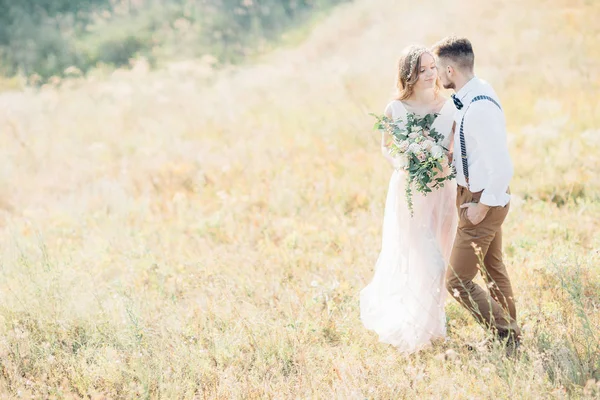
pixel 450 85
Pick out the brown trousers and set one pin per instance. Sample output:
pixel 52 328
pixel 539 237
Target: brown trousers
pixel 495 309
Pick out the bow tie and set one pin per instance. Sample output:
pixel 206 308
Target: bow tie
pixel 457 102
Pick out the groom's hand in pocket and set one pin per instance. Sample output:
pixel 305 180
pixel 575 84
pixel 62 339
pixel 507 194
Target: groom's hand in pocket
pixel 476 212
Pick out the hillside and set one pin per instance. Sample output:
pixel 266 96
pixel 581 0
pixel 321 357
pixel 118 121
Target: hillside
pixel 197 233
pixel 43 40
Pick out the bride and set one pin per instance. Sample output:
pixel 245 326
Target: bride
pixel 404 303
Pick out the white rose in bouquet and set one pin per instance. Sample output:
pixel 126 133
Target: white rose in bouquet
pixel 403 146
pixel 427 144
pixel 437 152
pixel 414 148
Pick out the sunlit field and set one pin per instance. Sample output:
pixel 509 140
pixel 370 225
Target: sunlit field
pixel 193 233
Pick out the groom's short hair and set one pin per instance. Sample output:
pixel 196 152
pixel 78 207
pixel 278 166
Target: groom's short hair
pixel 457 49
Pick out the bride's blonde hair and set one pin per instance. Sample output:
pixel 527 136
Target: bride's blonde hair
pixel 409 65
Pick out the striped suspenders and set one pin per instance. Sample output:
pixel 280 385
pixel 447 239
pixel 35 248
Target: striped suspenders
pixel 463 146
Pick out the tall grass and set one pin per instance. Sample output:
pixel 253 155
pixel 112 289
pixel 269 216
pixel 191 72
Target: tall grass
pixel 187 233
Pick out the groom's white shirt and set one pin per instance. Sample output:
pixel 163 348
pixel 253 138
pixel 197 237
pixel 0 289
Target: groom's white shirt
pixel 490 166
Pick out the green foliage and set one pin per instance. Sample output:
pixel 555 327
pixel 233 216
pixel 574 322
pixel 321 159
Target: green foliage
pixel 415 143
pixel 116 43
pixel 47 36
pixel 36 36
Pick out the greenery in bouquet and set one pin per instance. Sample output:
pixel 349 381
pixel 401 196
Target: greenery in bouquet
pixel 417 149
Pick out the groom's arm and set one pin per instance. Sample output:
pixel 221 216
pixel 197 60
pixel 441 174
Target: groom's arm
pixel 487 123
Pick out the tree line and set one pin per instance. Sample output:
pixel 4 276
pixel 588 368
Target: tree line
pixel 45 37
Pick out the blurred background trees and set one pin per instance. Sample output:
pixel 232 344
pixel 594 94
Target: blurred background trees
pixel 45 37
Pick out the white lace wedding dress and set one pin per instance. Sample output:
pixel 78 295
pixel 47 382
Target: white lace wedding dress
pixel 404 303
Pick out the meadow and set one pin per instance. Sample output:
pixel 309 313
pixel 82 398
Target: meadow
pixel 197 233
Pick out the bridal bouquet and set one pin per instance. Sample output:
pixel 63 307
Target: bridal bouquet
pixel 418 149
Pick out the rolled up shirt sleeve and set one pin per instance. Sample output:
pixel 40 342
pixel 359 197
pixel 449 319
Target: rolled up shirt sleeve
pixel 487 128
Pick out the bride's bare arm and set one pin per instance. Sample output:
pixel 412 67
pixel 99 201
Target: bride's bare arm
pixel 386 140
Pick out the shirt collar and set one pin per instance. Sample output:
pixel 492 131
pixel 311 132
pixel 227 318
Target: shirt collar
pixel 467 88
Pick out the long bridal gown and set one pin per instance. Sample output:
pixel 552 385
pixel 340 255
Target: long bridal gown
pixel 404 303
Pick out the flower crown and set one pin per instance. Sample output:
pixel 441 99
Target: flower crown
pixel 416 55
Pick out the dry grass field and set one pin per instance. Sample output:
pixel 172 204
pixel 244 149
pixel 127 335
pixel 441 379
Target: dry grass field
pixel 200 234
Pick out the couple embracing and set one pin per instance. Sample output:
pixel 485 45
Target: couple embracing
pixel 454 232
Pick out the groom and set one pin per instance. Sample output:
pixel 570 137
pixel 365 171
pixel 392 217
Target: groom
pixel 484 170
